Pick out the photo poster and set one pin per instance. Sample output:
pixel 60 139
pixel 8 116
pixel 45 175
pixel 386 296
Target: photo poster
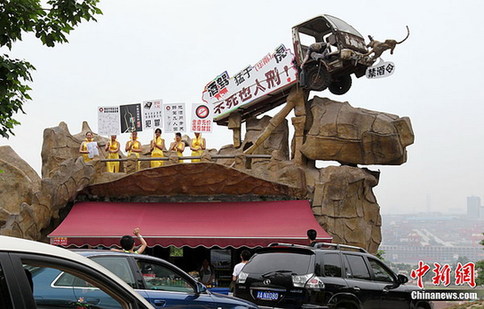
pixel 130 118
pixel 174 119
pixel 202 118
pixel 108 121
pixel 152 114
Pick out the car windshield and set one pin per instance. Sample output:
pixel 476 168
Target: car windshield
pixel 342 25
pixel 284 262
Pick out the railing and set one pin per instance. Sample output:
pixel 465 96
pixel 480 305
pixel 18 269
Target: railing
pixel 245 160
pixel 251 156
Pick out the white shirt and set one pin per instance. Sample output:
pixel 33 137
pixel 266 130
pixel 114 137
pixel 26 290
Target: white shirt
pixel 238 269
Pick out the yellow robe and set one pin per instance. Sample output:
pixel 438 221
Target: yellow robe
pixel 113 167
pixel 136 145
pixel 85 156
pixel 197 144
pixel 157 152
pixel 180 145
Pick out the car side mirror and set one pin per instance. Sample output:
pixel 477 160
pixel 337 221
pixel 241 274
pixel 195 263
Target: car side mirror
pixel 200 288
pixel 401 279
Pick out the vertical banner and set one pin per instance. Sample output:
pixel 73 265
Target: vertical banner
pixel 108 120
pixel 152 114
pixel 174 119
pixel 130 118
pixel 202 117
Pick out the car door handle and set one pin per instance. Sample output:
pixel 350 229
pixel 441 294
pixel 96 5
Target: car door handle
pixel 356 288
pixel 159 302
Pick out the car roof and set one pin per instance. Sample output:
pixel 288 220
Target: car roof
pixel 106 252
pixel 19 245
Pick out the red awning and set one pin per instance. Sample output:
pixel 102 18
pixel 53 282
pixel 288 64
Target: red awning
pixel 221 224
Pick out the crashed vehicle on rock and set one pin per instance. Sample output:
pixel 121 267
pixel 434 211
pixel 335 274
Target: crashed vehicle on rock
pixel 327 51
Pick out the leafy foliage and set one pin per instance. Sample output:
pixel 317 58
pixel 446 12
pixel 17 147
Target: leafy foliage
pixel 480 269
pixel 50 24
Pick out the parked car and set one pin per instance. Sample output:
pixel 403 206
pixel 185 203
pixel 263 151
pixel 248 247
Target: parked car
pixel 21 260
pixel 161 283
pixel 344 51
pixel 323 276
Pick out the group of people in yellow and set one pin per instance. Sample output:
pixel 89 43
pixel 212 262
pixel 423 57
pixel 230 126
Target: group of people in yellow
pixel 134 147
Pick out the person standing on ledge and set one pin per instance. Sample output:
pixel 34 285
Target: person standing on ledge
pixel 178 145
pixel 197 146
pixel 127 243
pixel 88 148
pixel 133 146
pixel 157 148
pixel 112 147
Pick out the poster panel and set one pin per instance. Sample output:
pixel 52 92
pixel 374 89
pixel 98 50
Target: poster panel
pixel 202 117
pixel 108 122
pixel 152 114
pixel 174 119
pixel 130 118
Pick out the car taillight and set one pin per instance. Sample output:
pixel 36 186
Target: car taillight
pixel 242 277
pixel 315 283
pixel 309 281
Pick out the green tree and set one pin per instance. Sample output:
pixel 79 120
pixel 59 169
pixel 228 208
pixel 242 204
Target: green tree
pixel 480 269
pixel 50 21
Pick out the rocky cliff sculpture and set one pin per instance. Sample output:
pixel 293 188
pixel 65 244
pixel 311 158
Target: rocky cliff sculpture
pixel 341 196
pixel 339 132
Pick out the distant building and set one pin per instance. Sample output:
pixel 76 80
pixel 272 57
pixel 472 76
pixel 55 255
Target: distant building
pixel 473 206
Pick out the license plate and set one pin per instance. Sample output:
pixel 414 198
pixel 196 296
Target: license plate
pixel 267 295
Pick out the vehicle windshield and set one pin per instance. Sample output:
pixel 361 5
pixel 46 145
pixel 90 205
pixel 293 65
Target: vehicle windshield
pixel 342 25
pixel 295 263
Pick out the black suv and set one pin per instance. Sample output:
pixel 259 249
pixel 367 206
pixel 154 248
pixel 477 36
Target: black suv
pixel 324 275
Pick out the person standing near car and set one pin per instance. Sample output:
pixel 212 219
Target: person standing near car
pixel 127 243
pixel 245 257
pixel 312 234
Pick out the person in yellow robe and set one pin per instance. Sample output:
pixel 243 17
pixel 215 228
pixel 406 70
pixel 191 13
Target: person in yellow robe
pixel 178 145
pixel 197 146
pixel 157 148
pixel 133 147
pixel 88 148
pixel 112 147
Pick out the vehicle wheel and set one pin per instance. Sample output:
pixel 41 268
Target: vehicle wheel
pixel 340 85
pixel 317 77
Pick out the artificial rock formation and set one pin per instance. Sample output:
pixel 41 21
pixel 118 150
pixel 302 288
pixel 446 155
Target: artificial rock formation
pixel 345 206
pixel 18 182
pixel 341 196
pixel 339 132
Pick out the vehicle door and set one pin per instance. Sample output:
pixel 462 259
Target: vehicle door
pixel 332 270
pixel 44 282
pixel 165 286
pixel 392 296
pixel 359 281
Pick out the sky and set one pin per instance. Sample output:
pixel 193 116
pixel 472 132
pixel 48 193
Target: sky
pixel 156 49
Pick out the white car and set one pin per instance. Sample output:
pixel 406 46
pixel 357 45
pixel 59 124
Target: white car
pixel 20 257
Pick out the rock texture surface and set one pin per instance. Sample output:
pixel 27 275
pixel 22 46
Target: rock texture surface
pixel 342 196
pixel 339 132
pixel 346 207
pixel 18 182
